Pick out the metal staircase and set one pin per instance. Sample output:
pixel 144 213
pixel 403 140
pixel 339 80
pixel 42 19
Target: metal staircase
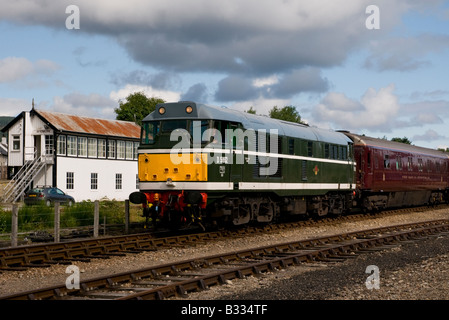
pixel 22 180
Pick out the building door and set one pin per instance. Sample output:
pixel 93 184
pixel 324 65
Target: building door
pixel 37 146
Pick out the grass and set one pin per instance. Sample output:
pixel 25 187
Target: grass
pixel 41 217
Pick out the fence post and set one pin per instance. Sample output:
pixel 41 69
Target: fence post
pixel 14 224
pixel 126 216
pixel 57 221
pixel 96 218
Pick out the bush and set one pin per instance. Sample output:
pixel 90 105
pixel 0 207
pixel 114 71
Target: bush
pixel 35 217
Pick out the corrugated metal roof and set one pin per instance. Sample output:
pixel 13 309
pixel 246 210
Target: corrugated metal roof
pixel 72 123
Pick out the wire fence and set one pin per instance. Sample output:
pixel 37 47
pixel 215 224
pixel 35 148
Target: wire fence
pixel 25 219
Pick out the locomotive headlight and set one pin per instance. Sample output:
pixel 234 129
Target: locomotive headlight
pixel 161 110
pixel 189 109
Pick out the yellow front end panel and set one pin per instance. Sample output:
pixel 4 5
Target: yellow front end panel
pixel 182 167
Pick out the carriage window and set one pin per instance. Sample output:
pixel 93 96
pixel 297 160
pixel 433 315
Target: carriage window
pixel 410 164
pixel 387 161
pixel 438 166
pixel 420 165
pixel 398 163
pixel 368 159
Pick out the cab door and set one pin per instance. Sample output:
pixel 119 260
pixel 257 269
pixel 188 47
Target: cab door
pixel 235 152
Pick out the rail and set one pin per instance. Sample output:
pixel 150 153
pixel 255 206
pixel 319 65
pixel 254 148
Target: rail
pixel 180 278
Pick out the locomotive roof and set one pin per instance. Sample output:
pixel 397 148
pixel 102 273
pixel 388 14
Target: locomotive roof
pixel 176 110
pixel 393 145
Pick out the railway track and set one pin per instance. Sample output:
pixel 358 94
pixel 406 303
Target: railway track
pixel 44 255
pixel 180 278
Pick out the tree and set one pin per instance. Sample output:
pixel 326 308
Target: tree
pixel 251 110
pixel 287 113
pixel 402 140
pixel 136 107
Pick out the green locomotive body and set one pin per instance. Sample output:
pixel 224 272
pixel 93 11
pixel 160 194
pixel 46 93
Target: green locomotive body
pixel 205 164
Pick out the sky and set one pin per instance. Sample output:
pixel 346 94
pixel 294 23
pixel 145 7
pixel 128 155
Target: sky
pixel 376 67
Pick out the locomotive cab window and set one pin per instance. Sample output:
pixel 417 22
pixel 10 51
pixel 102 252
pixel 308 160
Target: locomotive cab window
pixel 149 132
pixel 170 125
pixel 227 140
pixel 201 127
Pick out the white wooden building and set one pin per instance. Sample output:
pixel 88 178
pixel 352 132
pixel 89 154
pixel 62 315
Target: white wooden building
pixel 88 158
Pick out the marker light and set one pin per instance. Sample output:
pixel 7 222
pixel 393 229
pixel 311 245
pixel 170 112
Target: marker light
pixel 189 109
pixel 161 110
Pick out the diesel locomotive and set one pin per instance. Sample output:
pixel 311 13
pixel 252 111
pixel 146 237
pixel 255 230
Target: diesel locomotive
pixel 207 165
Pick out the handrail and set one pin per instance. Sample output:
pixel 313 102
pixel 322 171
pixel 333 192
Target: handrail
pixel 22 179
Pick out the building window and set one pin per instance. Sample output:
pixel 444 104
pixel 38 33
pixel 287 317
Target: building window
pixel 92 148
pixel 82 146
pixel 118 181
pixel 120 149
pixel 49 144
pixel 101 148
pixel 129 150
pixel 16 143
pixel 61 146
pixel 71 146
pixel 136 144
pixel 94 181
pixel 111 149
pixel 70 183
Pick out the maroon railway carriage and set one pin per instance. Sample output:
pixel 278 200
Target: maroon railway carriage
pixel 392 174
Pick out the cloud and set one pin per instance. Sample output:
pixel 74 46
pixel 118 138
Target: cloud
pixel 302 80
pixel 236 37
pixel 405 54
pixel 376 110
pixel 147 90
pixel 197 92
pixel 90 105
pixel 13 106
pixel 160 80
pixel 15 69
pixel 429 135
pixel 236 88
pixel 284 86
